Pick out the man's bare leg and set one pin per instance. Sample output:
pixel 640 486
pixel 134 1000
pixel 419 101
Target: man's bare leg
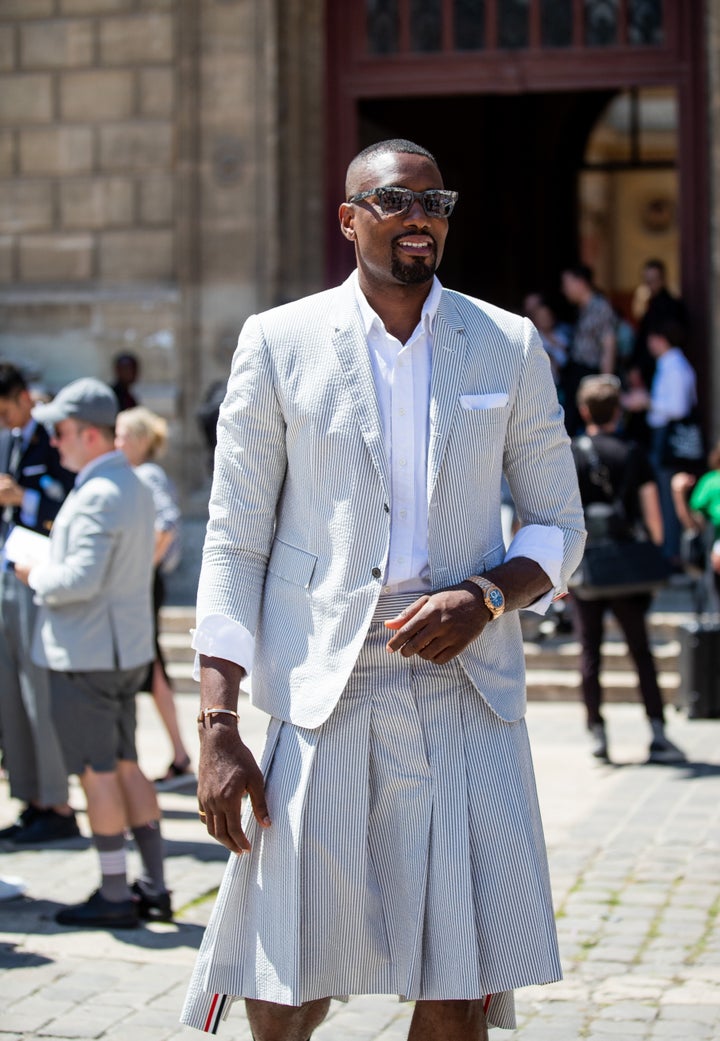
pixel 271 1022
pixel 449 1020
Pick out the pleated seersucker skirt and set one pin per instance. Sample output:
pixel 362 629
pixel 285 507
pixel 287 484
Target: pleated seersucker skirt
pixel 406 854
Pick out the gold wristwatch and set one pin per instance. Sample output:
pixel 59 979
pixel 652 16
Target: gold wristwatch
pixel 492 595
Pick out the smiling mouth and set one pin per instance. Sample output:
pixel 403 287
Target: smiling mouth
pixel 416 246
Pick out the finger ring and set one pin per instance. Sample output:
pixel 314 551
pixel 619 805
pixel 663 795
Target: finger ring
pixel 202 814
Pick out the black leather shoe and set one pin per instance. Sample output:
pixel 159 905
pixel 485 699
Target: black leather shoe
pixel 46 826
pixel 153 907
pixel 99 913
pixel 27 816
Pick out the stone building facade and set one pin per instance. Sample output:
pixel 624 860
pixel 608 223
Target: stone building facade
pixel 163 174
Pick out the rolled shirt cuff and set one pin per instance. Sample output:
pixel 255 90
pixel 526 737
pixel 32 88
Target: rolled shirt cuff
pixel 218 636
pixel 543 544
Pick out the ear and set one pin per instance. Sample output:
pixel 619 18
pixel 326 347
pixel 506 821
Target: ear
pixel 346 214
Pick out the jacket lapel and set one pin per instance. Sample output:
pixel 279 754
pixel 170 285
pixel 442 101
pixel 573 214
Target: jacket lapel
pixel 351 347
pixel 448 359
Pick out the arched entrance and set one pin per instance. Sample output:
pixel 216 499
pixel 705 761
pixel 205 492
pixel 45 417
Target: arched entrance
pixel 507 94
pixel 515 226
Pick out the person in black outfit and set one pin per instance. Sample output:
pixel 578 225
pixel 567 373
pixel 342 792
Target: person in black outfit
pixel 33 486
pixel 126 369
pixel 662 306
pixel 626 476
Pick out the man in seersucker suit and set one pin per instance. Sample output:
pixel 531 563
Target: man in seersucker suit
pixel 354 565
pixel 94 633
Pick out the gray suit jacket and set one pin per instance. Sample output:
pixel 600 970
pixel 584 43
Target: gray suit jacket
pixel 298 534
pixel 95 601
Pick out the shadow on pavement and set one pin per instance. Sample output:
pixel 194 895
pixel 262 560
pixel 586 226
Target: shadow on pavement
pixel 76 845
pixel 190 814
pixel 30 917
pixel 12 958
pixel 695 770
pixel 691 769
pixel 182 786
pixel 201 851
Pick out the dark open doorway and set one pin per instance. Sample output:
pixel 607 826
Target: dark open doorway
pixel 515 161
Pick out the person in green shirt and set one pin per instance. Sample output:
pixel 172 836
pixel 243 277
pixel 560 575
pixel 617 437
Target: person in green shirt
pixel 697 503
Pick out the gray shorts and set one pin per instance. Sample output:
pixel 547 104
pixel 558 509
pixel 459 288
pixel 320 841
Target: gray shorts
pixel 94 715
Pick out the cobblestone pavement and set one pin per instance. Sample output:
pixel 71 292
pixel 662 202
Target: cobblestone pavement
pixel 635 861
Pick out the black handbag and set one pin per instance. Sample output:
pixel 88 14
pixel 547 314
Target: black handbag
pixel 614 568
pixel 683 444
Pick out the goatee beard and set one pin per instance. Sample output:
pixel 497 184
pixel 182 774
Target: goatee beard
pixel 414 273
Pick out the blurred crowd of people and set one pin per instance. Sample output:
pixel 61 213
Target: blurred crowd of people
pixel 90 527
pixel 646 351
pixel 629 393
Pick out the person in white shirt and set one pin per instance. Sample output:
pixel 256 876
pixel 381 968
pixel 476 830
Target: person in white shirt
pixel 354 563
pixel 672 395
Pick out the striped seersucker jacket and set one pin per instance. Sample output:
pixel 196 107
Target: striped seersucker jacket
pixel 299 525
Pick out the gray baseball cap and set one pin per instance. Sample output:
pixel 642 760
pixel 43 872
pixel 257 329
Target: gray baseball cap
pixel 87 400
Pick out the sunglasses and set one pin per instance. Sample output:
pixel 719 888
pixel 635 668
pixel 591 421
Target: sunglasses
pixel 392 202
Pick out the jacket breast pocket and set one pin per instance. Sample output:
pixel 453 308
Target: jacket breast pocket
pixel 484 402
pixel 292 564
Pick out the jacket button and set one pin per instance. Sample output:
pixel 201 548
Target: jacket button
pixel 376 572
pixel 386 507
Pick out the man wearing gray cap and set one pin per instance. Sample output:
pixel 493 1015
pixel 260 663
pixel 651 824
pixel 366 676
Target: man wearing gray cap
pixel 94 632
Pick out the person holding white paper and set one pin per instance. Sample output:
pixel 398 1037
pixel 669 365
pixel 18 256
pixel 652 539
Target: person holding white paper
pixel 33 486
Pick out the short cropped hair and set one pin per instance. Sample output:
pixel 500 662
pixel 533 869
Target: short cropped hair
pixel 601 397
pixel 657 264
pixel 583 272
pixel 391 146
pixel 12 381
pixel 670 330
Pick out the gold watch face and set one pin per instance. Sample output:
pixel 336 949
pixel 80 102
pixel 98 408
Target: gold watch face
pixel 494 599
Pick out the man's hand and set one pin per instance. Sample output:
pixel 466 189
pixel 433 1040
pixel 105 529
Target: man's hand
pixel 227 770
pixel 715 557
pixel 11 494
pixel 439 626
pixel 22 569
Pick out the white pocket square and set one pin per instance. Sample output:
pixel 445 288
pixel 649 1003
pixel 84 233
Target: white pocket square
pixel 483 401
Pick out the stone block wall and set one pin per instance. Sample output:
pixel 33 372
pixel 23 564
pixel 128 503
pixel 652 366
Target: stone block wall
pixel 88 222
pixel 156 188
pixel 87 110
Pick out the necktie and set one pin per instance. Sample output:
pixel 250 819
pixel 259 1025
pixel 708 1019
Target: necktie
pixel 16 451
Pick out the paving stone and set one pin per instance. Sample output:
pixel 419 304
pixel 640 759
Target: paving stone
pixel 613 1031
pixel 688 1032
pixel 628 1011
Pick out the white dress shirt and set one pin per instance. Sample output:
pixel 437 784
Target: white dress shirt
pixel 402 383
pixel 673 392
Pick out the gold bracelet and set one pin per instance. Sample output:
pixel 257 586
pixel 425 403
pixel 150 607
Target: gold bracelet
pixel 208 713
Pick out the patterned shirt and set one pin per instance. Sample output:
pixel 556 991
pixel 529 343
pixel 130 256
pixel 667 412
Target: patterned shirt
pixel 595 322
